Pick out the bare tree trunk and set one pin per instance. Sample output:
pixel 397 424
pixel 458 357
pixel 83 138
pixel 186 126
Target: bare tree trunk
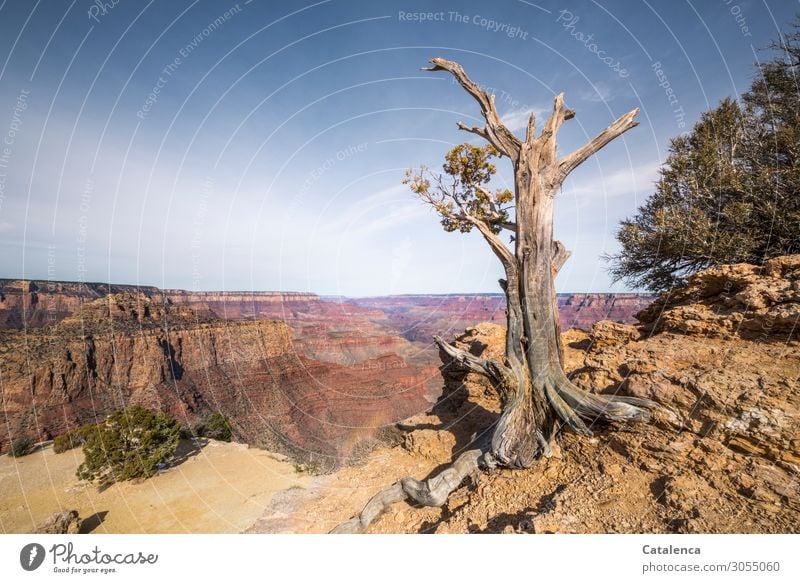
pixel 537 397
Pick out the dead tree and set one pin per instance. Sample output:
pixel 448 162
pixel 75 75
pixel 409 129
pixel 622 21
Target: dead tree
pixel 537 397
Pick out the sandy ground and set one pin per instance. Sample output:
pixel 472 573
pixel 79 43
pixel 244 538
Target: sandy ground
pixel 330 499
pixel 221 488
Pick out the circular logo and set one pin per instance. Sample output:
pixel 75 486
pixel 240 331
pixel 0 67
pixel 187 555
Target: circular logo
pixel 31 556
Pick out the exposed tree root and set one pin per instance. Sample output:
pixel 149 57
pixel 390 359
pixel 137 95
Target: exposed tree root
pixel 431 492
pixel 594 407
pixel 571 404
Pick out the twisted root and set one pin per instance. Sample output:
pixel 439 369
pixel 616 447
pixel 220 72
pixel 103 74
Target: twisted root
pixel 431 492
pixel 572 405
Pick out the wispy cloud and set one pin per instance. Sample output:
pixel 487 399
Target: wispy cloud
pixel 600 92
pixel 378 212
pixel 632 180
pixel 517 119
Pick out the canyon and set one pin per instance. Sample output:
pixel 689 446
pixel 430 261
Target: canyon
pixel 322 379
pixel 721 356
pixel 721 454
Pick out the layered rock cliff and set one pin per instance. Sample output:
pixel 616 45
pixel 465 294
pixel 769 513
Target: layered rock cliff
pixel 34 304
pixel 419 317
pixel 294 371
pixel 130 348
pixel 756 302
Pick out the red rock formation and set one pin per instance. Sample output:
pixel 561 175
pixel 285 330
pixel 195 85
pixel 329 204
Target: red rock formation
pixel 419 317
pixel 127 349
pixel 746 300
pixel 235 305
pixel 33 304
pixel 293 371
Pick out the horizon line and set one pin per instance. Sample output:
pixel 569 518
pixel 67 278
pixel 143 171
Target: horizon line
pixel 292 292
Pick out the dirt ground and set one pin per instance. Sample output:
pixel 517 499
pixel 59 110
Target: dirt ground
pixel 219 488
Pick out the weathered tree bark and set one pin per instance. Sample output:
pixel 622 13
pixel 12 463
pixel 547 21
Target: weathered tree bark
pixel 537 396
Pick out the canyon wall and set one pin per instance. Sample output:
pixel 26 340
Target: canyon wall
pixel 419 317
pixel 131 349
pixel 311 376
pixel 415 317
pixel 33 304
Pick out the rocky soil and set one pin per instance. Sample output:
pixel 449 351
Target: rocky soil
pixel 721 356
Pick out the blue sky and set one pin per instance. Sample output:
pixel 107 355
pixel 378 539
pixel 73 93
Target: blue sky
pixel 237 146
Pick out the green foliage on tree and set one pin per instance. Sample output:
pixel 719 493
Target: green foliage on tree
pixel 462 196
pixel 72 439
pixel 21 446
pixel 129 444
pixel 215 426
pixel 729 191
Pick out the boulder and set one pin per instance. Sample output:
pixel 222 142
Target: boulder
pixel 64 522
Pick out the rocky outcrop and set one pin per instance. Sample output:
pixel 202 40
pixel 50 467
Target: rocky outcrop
pixel 132 349
pixel 722 354
pixel 744 300
pixel 34 304
pixel 66 522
